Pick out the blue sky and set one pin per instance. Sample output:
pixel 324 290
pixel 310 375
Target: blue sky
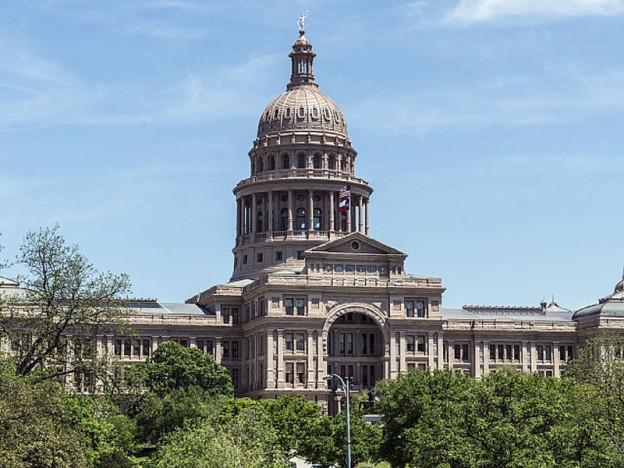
pixel 491 131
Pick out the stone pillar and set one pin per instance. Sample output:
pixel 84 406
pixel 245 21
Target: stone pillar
pixel 217 350
pixel 270 218
pixel 348 214
pixel 440 351
pixel 270 371
pixel 238 218
pixel 555 356
pixel 290 210
pixel 430 363
pixel 486 357
pixel 310 210
pixel 403 350
pixel 254 214
pixel 359 214
pixel 392 371
pixel 279 372
pixel 366 216
pixel 242 215
pixel 332 206
pixel 476 362
pixel 310 380
pixel 451 353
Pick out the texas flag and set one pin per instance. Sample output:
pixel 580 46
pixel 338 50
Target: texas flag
pixel 343 205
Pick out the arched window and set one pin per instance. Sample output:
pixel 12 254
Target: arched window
pixel 301 161
pixel 284 219
pixel 260 165
pixel 301 219
pixel 318 219
pixel 331 163
pixel 259 223
pixel 285 161
pixel 316 160
pixel 272 163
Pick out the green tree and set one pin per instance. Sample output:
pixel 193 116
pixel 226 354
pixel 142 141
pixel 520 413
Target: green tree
pixel 245 440
pixel 173 366
pixel 599 369
pixel 65 302
pixel 36 426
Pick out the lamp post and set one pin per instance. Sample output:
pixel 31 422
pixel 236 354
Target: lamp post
pixel 345 387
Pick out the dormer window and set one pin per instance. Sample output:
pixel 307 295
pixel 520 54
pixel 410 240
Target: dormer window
pixel 287 113
pixel 275 113
pixel 302 112
pixel 314 113
pixel 326 114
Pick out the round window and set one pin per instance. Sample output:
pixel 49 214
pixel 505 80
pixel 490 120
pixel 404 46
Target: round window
pixel 355 245
pixel 300 197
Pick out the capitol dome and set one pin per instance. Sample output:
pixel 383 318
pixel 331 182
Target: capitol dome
pixel 302 106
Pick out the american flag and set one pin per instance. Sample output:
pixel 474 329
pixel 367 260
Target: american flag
pixel 345 192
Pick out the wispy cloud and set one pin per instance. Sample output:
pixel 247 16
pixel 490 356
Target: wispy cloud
pixel 479 11
pixel 501 101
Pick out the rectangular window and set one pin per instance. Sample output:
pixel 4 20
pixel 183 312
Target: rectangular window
pixel 548 352
pixel 288 340
pixel 371 343
pixel 349 343
pixel 421 344
pixel 300 305
pixel 259 258
pixel 409 308
pixel 410 343
pixel 420 308
pixel 342 343
pixel 225 313
pixel 457 352
pixel 288 306
pixel 508 355
pixel 117 347
pixel 235 378
pixel 363 344
pixel 136 348
pixel 147 347
pixel 492 352
pixel 127 348
pixel 210 347
pixel 234 349
pixel 234 315
pixel 540 353
pixel 300 341
pixel 262 305
pixel 301 372
pixel 278 254
pixel 226 349
pixel 465 355
pixel 516 352
pixel 289 373
pixel 501 352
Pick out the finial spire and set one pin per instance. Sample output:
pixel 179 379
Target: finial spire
pixel 301 22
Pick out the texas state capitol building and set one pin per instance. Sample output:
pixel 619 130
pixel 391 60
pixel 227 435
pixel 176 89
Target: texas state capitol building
pixel 312 294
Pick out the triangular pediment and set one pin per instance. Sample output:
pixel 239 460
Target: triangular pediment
pixel 355 243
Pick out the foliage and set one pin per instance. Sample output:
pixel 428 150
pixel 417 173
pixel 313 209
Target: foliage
pixel 157 415
pixel 599 368
pixel 246 440
pixel 508 419
pixel 105 434
pixel 65 295
pixel 36 425
pixel 173 367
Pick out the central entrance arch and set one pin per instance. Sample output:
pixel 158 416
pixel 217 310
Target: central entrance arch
pixel 355 345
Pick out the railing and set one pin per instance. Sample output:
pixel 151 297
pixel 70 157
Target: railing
pixel 280 235
pixel 302 173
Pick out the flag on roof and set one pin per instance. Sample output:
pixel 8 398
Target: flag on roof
pixel 345 192
pixel 343 205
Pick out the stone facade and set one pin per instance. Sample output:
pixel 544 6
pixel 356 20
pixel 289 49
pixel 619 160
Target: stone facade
pixel 312 294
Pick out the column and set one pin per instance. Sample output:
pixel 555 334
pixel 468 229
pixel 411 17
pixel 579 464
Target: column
pixel 242 215
pixel 310 380
pixel 332 225
pixel 254 213
pixel 310 211
pixel 555 357
pixel 270 370
pixel 476 363
pixel 451 353
pixel 366 216
pixel 238 218
pixel 402 350
pixel 440 351
pixel 486 357
pixel 217 350
pixel 290 210
pixel 279 372
pixel 348 213
pixel 392 364
pixel 359 214
pixel 430 350
pixel 270 220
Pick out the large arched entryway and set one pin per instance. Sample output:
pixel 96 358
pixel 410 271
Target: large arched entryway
pixel 355 346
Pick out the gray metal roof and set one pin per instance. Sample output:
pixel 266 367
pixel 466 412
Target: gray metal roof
pixel 463 314
pixel 169 308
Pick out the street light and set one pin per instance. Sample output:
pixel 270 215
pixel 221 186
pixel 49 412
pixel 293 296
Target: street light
pixel 345 387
